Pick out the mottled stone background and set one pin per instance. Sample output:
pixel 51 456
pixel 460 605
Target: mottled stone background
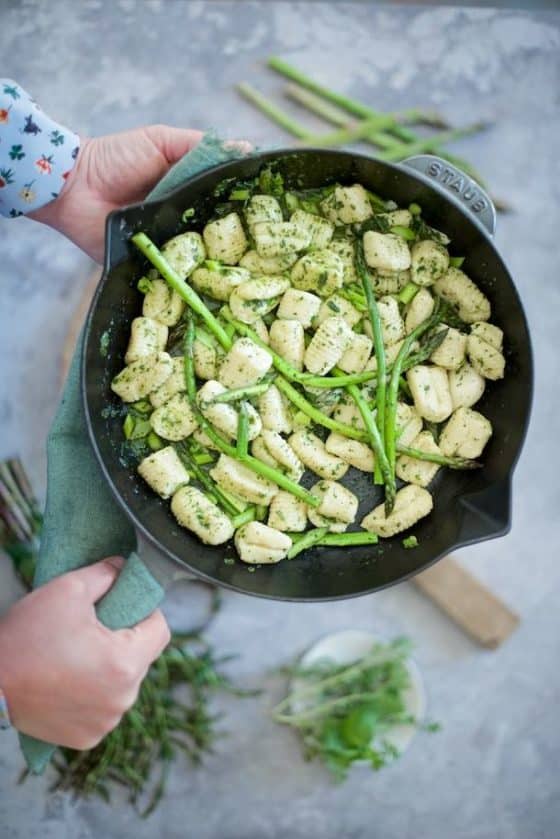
pixel 492 772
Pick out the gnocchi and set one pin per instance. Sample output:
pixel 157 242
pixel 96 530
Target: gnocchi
pixel 147 337
pixel 430 390
pixel 162 303
pixel 261 544
pixel 196 512
pixel 299 305
pixel 312 452
pixel 245 364
pixel 287 513
pixel 321 272
pixel 184 253
pixel 412 503
pixel 287 338
pixel 141 377
pixel 225 239
pixel 282 279
pixel 466 434
pixel 235 477
pixel 459 290
pixel 164 471
pixel 328 345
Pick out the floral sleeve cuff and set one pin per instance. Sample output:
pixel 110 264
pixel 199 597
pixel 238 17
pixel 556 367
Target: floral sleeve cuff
pixel 36 153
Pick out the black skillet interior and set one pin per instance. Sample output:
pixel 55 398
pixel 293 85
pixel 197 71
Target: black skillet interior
pixel 469 507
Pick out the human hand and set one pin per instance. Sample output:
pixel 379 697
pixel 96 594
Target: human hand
pixel 111 172
pixel 67 678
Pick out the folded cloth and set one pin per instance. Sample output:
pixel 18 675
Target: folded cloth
pixel 83 523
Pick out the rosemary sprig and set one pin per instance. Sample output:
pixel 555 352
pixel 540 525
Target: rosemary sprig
pixel 343 713
pixel 172 716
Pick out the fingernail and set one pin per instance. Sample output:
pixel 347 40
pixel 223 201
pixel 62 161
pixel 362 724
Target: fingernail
pixel 116 561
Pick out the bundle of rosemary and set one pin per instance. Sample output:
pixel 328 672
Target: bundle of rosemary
pixel 172 715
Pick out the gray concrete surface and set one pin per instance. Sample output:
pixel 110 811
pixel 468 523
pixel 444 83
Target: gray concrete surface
pixel 492 772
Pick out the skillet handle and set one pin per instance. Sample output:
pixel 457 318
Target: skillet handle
pixel 466 192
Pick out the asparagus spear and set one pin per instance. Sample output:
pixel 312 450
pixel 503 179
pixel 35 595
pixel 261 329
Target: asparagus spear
pixel 243 432
pixel 428 347
pixel 290 372
pixel 334 107
pixel 345 539
pixel 275 113
pixel 240 393
pixel 248 460
pixel 334 114
pixel 408 293
pixel 351 105
pixel 351 133
pixel 392 394
pixel 307 540
pixel 376 444
pixel 420 145
pixel 210 487
pixel 375 320
pixel 315 414
pixel 443 460
pixel 20 519
pixel 155 256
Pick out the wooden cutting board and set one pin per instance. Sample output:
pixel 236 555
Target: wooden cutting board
pixel 472 606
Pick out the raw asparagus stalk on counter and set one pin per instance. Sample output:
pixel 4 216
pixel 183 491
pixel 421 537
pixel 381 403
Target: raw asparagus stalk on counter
pixel 391 134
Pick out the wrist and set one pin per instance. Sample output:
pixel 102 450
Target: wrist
pixel 55 214
pixel 9 688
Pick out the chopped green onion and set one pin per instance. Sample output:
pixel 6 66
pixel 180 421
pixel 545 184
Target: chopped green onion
pixel 155 442
pixel 128 426
pixel 408 293
pixel 143 406
pixel 136 428
pixel 456 261
pixel 144 285
pixel 410 542
pixel 415 209
pixel 239 195
pixel 403 232
pixel 189 213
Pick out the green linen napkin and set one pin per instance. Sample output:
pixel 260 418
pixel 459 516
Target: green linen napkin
pixel 83 523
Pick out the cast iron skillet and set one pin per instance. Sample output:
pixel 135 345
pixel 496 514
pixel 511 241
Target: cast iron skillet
pixel 469 507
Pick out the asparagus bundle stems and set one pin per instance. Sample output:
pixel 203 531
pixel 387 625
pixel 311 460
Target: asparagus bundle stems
pixel 20 519
pixel 332 113
pixel 352 106
pixel 389 133
pixel 272 111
